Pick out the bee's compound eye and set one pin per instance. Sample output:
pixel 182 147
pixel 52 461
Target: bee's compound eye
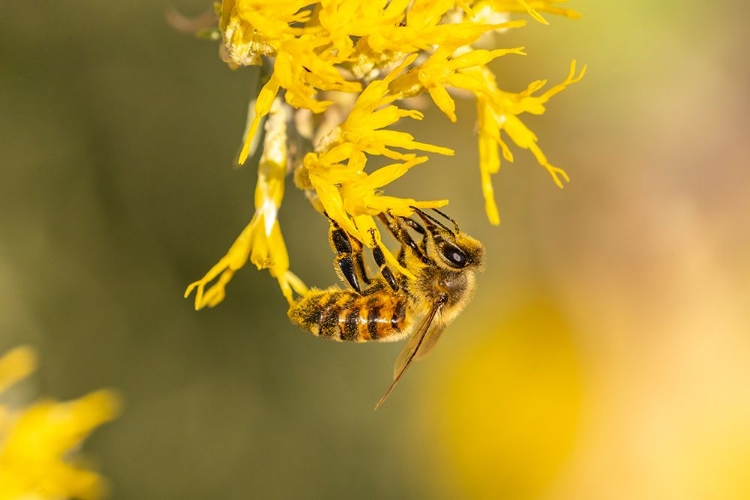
pixel 454 255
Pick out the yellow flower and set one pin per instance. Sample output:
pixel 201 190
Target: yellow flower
pixel 301 81
pixel 365 127
pixel 498 110
pixel 252 29
pixel 36 442
pixel 352 63
pixel 443 68
pixel 261 241
pixel 533 7
pixel 424 28
pixel 347 193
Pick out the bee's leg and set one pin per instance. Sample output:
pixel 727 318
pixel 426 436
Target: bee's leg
pixel 413 224
pixel 349 257
pixel 421 230
pixel 395 230
pixel 396 227
pixel 385 271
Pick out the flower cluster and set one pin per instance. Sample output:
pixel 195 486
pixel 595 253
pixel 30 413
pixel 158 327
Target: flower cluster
pixel 36 442
pixel 335 75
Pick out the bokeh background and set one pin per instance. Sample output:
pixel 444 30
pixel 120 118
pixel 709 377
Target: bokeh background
pixel 605 355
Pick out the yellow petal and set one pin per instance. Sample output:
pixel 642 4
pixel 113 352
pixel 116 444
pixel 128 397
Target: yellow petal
pixel 444 101
pixel 16 364
pixel 262 107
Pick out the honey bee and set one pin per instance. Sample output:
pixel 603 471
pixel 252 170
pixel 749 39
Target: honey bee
pixel 391 306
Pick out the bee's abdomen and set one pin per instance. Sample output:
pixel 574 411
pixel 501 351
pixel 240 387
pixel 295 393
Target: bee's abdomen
pixel 348 316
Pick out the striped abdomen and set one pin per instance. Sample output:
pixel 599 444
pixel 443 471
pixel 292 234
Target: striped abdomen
pixel 346 315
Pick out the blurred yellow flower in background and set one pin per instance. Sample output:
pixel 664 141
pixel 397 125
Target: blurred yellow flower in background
pixel 314 55
pixel 36 442
pixel 506 419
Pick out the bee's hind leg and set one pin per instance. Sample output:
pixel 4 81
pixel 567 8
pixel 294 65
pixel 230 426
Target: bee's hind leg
pixel 349 259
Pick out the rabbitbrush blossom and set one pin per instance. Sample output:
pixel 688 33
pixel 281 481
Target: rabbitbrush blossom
pixel 334 78
pixel 38 442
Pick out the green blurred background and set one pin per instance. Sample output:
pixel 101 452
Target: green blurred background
pixel 606 353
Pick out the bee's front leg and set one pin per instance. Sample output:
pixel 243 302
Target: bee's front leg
pixel 396 226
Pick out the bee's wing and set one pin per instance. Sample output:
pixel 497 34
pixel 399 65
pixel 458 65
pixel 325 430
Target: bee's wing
pixel 429 341
pixel 417 348
pixel 426 335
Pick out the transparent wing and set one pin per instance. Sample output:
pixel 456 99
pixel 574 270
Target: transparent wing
pixel 426 335
pixel 429 341
pixel 417 347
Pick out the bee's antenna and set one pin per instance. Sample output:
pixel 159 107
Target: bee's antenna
pixel 430 219
pixel 455 224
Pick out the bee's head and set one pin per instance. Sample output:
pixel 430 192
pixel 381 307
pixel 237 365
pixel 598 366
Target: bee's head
pixel 450 248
